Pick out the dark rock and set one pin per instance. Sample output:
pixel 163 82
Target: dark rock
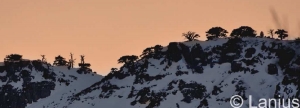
pixel 198 55
pixel 285 56
pixel 294 72
pixel 198 69
pixel 31 92
pixel 203 103
pixel 185 51
pixel 179 73
pixel 250 52
pixel 173 52
pixel 236 66
pixel 143 99
pixel 2 69
pixel 297 61
pixel 272 69
pixel 191 90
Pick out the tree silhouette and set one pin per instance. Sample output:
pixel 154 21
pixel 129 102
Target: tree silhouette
pixel 128 59
pixel 71 61
pixel 60 61
pixel 190 35
pixel 243 31
pixel 216 32
pixel 158 48
pixel 43 58
pixel 13 57
pixel 261 34
pixel 114 69
pixel 151 50
pixel 271 32
pixel 82 64
pixel 281 33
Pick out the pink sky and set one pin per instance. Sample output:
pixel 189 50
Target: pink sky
pixel 104 30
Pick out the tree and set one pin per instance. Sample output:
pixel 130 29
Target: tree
pixel 114 69
pixel 216 32
pixel 271 32
pixel 151 51
pixel 60 61
pixel 190 35
pixel 281 33
pixel 261 34
pixel 128 59
pixel 82 64
pixel 43 58
pixel 71 61
pixel 13 57
pixel 243 31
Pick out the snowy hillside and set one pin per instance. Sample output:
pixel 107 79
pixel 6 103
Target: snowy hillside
pixel 199 74
pixel 195 74
pixel 34 84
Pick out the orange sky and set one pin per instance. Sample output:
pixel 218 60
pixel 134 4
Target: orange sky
pixel 104 30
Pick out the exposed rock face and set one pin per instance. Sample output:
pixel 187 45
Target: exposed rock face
pixel 174 53
pixel 285 56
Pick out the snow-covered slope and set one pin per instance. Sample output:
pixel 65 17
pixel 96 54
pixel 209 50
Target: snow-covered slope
pixel 194 74
pixel 199 74
pixel 34 84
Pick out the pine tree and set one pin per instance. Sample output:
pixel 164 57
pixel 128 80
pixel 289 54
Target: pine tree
pixel 60 61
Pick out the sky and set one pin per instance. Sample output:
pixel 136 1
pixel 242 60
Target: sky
pixel 105 30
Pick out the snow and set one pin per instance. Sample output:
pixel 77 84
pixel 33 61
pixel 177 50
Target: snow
pixel 61 93
pixel 259 85
pixel 3 73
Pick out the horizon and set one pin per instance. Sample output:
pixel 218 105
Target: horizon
pixel 108 30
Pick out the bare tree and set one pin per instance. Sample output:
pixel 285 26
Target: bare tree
pixel 82 64
pixel 43 58
pixel 271 32
pixel 190 35
pixel 71 61
pixel 82 59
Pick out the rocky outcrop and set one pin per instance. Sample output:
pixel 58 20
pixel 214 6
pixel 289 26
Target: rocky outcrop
pixel 285 56
pixel 173 52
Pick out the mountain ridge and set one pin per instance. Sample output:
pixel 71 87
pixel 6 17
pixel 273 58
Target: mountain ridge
pixel 221 65
pixel 191 74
